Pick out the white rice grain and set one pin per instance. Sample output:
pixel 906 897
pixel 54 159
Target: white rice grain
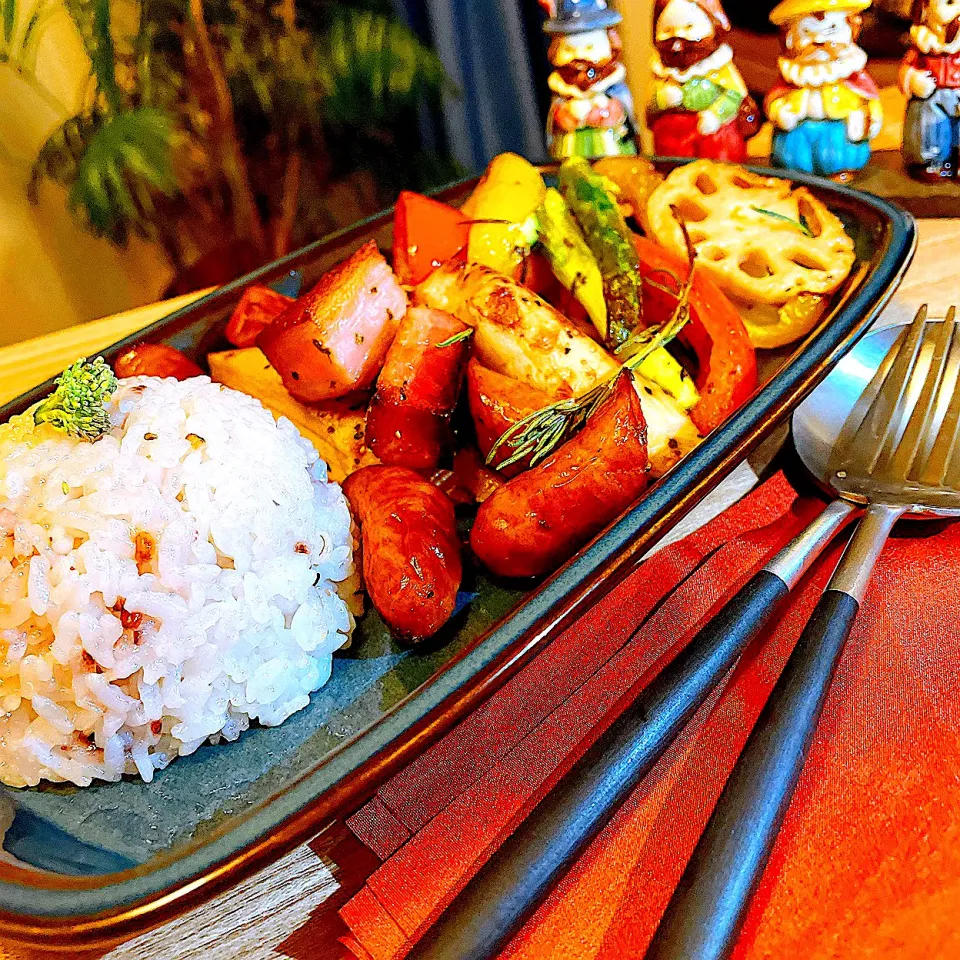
pixel 116 660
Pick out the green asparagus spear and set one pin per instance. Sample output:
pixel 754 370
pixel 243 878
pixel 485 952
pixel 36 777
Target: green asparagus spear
pixel 570 257
pixel 595 208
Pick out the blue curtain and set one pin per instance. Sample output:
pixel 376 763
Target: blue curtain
pixel 484 46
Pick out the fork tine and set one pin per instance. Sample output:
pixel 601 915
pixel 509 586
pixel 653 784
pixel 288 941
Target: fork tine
pixel 918 433
pixel 877 415
pixel 941 463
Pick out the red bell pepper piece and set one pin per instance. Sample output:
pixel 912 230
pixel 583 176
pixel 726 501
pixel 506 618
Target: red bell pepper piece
pixel 728 363
pixel 258 308
pixel 537 275
pixel 408 423
pixel 426 233
pixel 155 360
pixel 539 519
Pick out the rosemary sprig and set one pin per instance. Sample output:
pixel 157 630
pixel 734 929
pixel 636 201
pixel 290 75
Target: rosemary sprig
pixel 802 224
pixel 456 338
pixel 537 435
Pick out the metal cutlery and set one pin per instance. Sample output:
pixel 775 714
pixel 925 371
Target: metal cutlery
pixel 898 453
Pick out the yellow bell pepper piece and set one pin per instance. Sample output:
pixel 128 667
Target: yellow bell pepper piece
pixel 511 190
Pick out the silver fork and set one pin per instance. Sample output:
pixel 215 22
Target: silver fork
pixel 898 454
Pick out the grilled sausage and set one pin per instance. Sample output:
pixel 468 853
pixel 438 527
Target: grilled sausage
pixel 408 424
pixel 411 553
pixel 542 517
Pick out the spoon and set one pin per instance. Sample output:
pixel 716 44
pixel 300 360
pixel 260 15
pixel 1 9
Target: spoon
pixel 511 884
pixel 894 447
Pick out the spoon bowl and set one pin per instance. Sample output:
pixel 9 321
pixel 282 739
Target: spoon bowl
pixel 833 417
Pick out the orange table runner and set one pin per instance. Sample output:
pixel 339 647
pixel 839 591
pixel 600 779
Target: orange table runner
pixel 868 863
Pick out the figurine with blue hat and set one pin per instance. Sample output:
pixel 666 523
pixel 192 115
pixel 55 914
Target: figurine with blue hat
pixel 592 110
pixel 827 108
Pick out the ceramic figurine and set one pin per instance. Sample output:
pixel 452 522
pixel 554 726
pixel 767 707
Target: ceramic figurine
pixel 827 109
pixel 930 79
pixel 700 106
pixel 592 110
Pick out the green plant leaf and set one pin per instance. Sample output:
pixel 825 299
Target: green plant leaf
pixel 371 66
pixel 115 166
pixel 9 21
pixel 93 20
pixel 338 86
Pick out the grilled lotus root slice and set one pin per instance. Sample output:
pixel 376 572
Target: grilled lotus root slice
pixel 763 241
pixel 772 325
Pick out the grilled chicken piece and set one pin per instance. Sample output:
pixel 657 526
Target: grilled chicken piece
pixel 521 336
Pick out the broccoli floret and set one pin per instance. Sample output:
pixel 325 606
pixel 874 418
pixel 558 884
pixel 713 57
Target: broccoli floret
pixel 77 405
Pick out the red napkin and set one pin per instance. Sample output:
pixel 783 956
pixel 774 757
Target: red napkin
pixel 868 862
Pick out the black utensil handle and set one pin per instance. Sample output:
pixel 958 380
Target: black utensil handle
pixel 704 917
pixel 508 888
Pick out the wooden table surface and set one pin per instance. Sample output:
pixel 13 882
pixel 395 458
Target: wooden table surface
pixel 252 921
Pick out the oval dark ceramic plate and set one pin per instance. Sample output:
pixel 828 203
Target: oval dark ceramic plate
pixel 92 865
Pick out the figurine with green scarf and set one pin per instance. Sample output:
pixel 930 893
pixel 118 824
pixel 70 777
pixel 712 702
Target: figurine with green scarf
pixel 592 110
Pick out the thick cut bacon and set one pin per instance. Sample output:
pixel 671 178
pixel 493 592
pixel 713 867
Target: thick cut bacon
pixel 333 340
pixel 542 517
pixel 408 423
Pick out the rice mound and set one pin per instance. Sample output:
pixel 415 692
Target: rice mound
pixel 189 572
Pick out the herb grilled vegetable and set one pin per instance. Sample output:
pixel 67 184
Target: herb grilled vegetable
pixel 577 269
pixel 570 258
pixel 589 197
pixel 530 357
pixel 521 336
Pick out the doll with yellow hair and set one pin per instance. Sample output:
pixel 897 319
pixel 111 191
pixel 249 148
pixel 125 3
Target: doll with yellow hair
pixel 827 108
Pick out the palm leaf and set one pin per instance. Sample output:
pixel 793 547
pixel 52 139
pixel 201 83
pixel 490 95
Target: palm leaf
pixel 20 47
pixel 9 22
pixel 371 66
pixel 60 155
pixel 93 20
pixel 115 166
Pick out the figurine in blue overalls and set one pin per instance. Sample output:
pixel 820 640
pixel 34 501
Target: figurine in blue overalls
pixel 827 108
pixel 592 110
pixel 930 79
